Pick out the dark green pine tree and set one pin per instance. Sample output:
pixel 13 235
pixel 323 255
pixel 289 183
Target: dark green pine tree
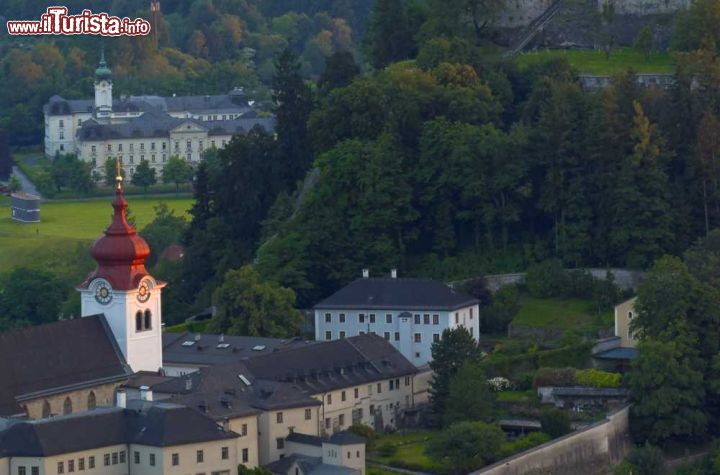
pixel 293 104
pixel 389 38
pixel 455 348
pixel 6 161
pixel 340 69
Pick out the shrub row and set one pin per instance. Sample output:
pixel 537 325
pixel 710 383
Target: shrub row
pixel 573 377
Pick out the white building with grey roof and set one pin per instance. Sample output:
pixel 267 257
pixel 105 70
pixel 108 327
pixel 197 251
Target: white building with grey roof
pixel 409 313
pixel 151 128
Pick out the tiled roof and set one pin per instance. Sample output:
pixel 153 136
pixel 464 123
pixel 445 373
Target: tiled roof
pixel 205 350
pixel 234 102
pixel 47 358
pixel 401 294
pixel 157 124
pixel 157 425
pixel 284 379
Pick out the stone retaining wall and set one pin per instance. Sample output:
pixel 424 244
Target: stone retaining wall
pixel 590 451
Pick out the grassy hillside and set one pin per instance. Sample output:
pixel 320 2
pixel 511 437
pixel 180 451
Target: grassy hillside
pixel 595 62
pixel 568 314
pixel 64 226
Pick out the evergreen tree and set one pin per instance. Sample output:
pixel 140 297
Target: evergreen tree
pixel 455 348
pixel 340 69
pixel 293 104
pixel 6 161
pixel 389 36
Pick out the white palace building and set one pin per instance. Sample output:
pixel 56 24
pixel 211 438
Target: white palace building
pixel 152 128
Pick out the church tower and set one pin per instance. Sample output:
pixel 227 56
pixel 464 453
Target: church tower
pixel 103 89
pixel 122 289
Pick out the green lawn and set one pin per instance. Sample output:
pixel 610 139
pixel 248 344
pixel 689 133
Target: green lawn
pixel 65 225
pixel 595 62
pixel 570 314
pixel 409 451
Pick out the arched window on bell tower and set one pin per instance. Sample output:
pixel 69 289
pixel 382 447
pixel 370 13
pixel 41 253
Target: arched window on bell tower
pixel 138 321
pixel 148 320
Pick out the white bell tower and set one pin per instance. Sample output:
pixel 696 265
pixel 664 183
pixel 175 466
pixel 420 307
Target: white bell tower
pixel 103 89
pixel 123 290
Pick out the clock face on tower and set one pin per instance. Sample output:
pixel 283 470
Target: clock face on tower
pixel 103 291
pixel 143 292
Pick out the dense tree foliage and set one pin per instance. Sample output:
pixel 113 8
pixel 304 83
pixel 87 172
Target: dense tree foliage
pixel 466 446
pixel 248 306
pixel 469 397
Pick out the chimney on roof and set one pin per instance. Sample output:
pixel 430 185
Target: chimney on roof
pixel 366 273
pixel 146 393
pixel 221 339
pixel 393 273
pixel 121 398
pixel 197 337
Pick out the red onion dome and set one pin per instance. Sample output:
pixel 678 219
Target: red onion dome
pixel 120 253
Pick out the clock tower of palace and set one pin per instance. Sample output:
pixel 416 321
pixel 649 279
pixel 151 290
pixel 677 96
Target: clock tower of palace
pixel 122 289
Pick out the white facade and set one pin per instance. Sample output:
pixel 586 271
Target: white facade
pixel 135 319
pixel 413 336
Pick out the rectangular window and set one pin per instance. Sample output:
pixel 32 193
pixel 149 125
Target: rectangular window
pixel 436 319
pixel 61 467
pixel 200 456
pixel 341 420
pixel 132 147
pixel 142 146
pixel 91 461
pixel 357 393
pixel 244 429
pixel 387 336
pixel 436 337
pixel 279 417
pixel 397 336
pixel 114 458
pixel 426 319
pixel 164 146
pixel 106 460
pixel 71 466
pixel 176 459
pixel 361 318
pixel 188 144
pixel 392 385
pixel 280 443
pixel 152 460
pixel 22 470
pixel 329 399
pixel 342 396
pixel 328 335
pixel 327 423
pixel 34 470
pixel 388 318
pixel 372 318
pixel 245 455
pixel 200 145
pixel 418 338
pixel 417 319
pixel 120 147
pixel 81 464
pixel 122 456
pixel 342 334
pixel 224 453
pixel 328 318
pixel 308 414
pixel 342 318
pixel 457 318
pixel 407 380
pixel 93 148
pixel 109 147
pixel 379 388
pixel 136 457
pixel 62 124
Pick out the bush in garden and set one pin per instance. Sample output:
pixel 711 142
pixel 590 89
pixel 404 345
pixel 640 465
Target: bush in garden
pixel 555 377
pixel 555 422
pixel 547 279
pixel 598 379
